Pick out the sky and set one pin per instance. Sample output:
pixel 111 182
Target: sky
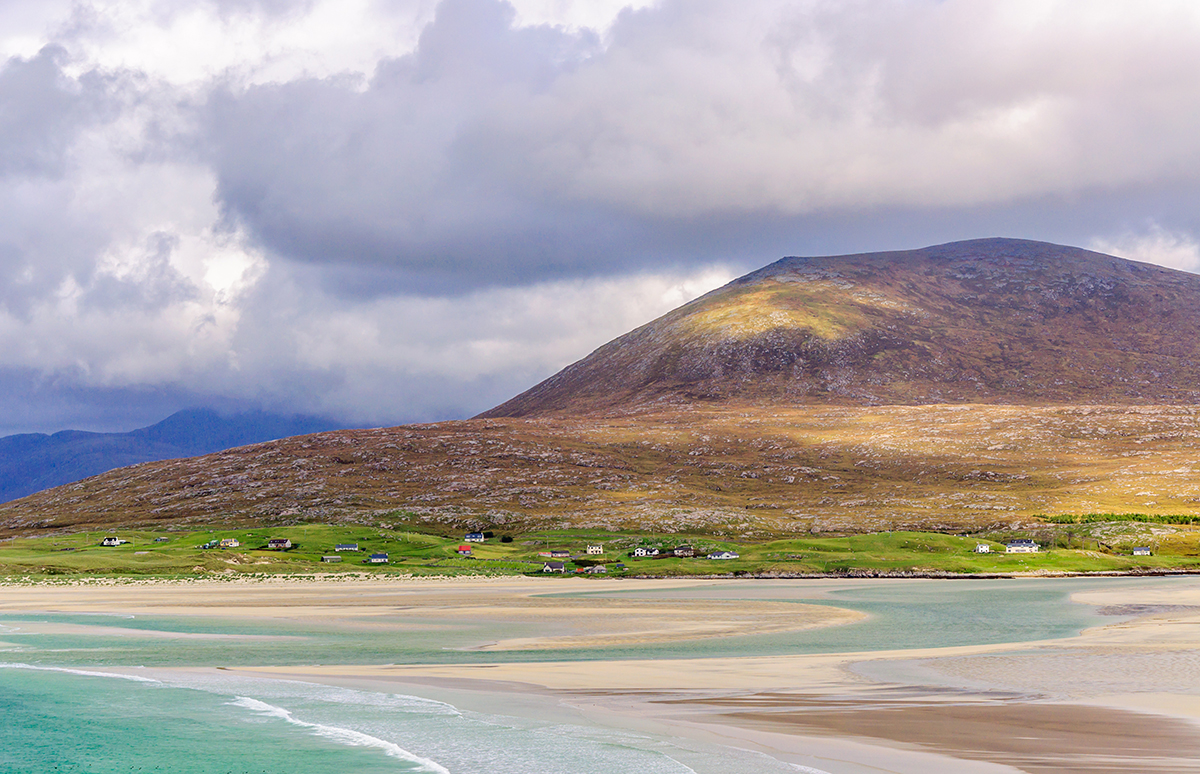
pixel 387 211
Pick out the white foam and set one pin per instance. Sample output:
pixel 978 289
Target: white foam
pixel 84 672
pixel 392 701
pixel 343 735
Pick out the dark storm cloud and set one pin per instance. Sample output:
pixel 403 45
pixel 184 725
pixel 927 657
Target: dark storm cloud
pixel 696 132
pixel 405 173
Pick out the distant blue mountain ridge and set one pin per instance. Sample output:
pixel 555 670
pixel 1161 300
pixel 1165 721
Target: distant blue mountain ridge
pixel 31 462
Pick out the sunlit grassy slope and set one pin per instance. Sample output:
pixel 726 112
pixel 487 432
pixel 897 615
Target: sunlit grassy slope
pixel 168 554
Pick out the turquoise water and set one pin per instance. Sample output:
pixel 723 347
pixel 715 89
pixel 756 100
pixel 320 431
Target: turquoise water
pixel 909 614
pixel 58 717
pixel 72 721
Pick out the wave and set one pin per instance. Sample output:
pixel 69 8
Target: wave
pixel 343 735
pixel 391 701
pixel 84 672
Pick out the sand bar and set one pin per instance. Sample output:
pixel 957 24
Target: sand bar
pixel 1123 696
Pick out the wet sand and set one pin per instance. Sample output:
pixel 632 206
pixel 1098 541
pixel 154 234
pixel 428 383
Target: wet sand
pixel 1124 696
pixel 399 604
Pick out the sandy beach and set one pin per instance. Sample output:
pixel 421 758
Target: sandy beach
pixel 1122 696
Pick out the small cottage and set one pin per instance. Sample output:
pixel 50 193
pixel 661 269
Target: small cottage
pixel 346 547
pixel 331 559
pixel 597 569
pixel 560 553
pixel 464 550
pixel 684 551
pixel 377 559
pixel 594 549
pixel 554 567
pixel 279 544
pixel 1141 551
pixel 724 555
pixel 644 551
pixel 111 540
pixel 982 548
pixel 229 543
pixel 1021 546
pixel 474 537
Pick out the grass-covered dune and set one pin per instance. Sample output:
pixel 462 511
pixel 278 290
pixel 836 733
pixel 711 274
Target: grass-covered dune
pixel 1101 547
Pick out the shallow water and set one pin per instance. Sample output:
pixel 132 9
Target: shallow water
pixel 59 718
pixel 70 721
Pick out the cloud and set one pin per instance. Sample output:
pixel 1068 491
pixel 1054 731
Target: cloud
pixel 413 209
pixel 1154 245
pixel 506 152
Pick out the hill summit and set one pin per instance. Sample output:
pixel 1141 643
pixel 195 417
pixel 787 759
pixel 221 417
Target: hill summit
pixel 980 321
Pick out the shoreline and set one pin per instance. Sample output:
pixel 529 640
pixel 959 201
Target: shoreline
pixel 966 709
pixel 19 581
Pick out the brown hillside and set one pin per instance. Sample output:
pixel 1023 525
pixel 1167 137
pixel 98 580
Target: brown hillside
pixel 969 385
pixel 984 321
pixel 733 470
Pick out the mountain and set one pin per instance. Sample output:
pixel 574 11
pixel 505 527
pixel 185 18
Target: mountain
pixel 983 321
pixel 970 385
pixel 35 461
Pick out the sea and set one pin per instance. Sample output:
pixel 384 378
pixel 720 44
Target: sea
pixel 104 694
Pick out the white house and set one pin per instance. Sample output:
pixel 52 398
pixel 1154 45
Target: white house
pixel 229 543
pixel 331 559
pixel 723 555
pixel 474 537
pixel 1021 546
pixel 643 551
pixel 346 547
pixel 982 548
pixel 554 567
pixel 111 540
pixel 1141 551
pixel 377 559
pixel 595 549
pixel 599 568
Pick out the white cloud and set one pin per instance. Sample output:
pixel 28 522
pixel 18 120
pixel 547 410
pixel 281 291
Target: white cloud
pixel 191 194
pixel 429 357
pixel 252 42
pixel 1157 245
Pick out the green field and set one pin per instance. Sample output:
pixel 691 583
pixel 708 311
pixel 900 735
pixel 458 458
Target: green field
pixel 150 553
